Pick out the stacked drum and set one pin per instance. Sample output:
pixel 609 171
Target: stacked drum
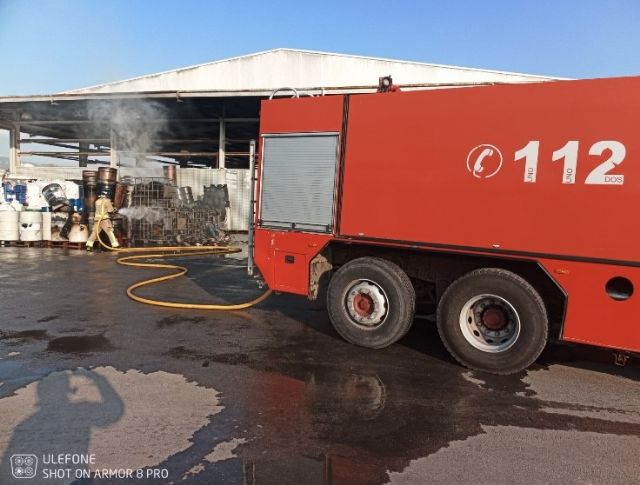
pixel 119 195
pixel 46 226
pixel 171 174
pixel 107 178
pixel 55 196
pixel 9 225
pixel 30 226
pixel 90 189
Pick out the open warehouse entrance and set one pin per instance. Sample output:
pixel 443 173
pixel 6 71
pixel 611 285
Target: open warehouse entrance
pixel 138 135
pixel 128 131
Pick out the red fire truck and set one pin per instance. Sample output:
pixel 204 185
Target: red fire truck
pixel 510 209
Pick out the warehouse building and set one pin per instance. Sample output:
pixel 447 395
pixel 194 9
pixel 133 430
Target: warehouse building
pixel 198 117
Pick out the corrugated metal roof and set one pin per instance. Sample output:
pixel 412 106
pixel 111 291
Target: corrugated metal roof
pixel 271 69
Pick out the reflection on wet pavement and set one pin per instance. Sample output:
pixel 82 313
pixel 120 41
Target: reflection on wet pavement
pixel 272 395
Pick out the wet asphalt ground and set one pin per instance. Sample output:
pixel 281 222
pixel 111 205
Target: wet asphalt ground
pixel 273 395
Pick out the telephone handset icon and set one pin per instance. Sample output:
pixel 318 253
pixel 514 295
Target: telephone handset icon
pixel 478 167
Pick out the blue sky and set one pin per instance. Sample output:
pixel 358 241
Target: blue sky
pixel 53 45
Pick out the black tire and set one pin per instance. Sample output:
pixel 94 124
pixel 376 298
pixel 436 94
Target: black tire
pixel 400 298
pixel 526 345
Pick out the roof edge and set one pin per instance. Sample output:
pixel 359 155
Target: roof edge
pixel 419 63
pixel 186 68
pixel 312 52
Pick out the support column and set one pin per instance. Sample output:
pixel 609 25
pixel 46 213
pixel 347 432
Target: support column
pixel 113 162
pixel 83 147
pixel 252 206
pixel 14 148
pixel 222 140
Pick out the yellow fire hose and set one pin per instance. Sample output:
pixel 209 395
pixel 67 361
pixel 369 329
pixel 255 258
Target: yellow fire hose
pixel 175 251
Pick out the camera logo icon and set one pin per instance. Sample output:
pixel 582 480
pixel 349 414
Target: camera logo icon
pixel 24 466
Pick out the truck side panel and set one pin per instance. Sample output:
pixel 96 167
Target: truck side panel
pixel 475 167
pixel 593 317
pixel 284 257
pixel 301 115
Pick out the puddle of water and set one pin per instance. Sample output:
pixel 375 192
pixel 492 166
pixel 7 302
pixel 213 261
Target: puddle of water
pixel 177 319
pixel 79 344
pixel 24 335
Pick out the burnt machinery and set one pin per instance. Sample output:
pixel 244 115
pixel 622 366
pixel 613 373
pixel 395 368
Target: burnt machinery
pixel 157 212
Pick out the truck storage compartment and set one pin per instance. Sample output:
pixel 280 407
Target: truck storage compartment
pixel 298 181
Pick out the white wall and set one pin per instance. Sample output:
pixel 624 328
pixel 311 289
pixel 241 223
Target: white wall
pixel 237 181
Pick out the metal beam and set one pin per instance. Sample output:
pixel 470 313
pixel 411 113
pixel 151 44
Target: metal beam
pixel 83 147
pixel 41 128
pixel 74 158
pixel 106 141
pixel 66 140
pixel 175 154
pixel 94 153
pixel 256 93
pixel 154 120
pixel 75 154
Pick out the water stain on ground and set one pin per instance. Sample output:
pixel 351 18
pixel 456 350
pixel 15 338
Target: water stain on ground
pixel 232 358
pixel 24 335
pixel 80 344
pixel 72 330
pixel 48 319
pixel 177 319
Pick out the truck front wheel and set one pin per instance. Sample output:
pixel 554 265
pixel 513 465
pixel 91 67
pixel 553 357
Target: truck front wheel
pixel 371 302
pixel 492 320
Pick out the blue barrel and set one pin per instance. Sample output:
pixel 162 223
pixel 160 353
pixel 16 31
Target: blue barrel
pixel 20 193
pixel 8 191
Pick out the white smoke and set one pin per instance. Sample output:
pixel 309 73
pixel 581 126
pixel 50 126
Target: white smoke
pixel 148 214
pixel 138 126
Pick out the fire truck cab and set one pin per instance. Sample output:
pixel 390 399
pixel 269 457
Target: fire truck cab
pixel 509 209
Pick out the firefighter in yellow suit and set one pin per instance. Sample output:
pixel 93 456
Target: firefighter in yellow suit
pixel 103 209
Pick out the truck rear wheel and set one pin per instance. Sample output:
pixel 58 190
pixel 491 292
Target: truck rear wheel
pixel 492 320
pixel 371 302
